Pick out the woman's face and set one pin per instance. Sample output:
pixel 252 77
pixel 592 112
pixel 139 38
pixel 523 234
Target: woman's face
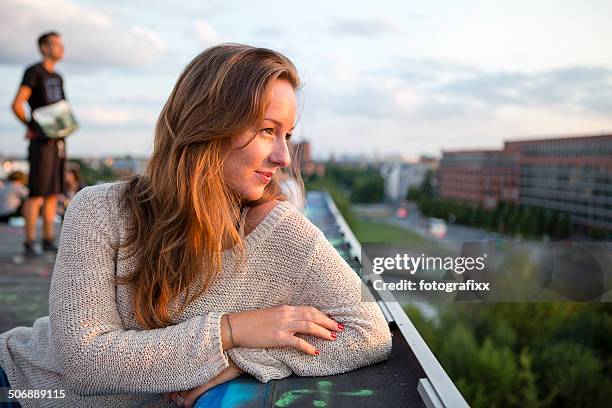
pixel 247 171
pixel 70 178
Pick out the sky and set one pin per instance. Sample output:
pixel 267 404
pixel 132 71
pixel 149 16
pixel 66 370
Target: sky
pixel 379 78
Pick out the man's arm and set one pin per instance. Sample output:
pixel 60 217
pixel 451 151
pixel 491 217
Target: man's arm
pixel 23 94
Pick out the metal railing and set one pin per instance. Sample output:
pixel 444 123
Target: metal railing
pixel 436 389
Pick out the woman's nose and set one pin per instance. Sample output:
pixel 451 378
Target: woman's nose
pixel 280 154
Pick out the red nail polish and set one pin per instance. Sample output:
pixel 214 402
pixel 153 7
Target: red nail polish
pixel 317 352
pixel 334 335
pixel 340 326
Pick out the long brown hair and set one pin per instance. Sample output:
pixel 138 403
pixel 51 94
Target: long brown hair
pixel 182 211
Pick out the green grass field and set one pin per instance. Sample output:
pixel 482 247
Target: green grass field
pixel 369 231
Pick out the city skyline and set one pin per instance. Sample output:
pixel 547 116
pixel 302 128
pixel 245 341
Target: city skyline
pixel 416 79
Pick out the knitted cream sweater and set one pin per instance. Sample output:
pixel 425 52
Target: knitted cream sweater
pixel 91 347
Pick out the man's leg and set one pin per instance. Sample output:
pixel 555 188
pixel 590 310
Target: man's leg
pixel 31 210
pixel 49 214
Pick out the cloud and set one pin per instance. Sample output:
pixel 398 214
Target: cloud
pixel 114 117
pixel 370 100
pixel 345 72
pixel 91 37
pixel 104 116
pixel 407 100
pixel 581 87
pixel 156 99
pixel 206 33
pixel 270 32
pixel 428 70
pixel 430 89
pixel 363 27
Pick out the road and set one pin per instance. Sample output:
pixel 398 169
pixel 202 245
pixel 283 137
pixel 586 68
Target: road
pixel 456 234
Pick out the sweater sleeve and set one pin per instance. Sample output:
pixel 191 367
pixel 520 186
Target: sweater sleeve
pixel 90 344
pixel 334 288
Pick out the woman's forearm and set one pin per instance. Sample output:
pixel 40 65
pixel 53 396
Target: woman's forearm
pixel 334 288
pixel 365 340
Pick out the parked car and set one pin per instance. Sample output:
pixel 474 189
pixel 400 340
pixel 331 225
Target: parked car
pixel 437 228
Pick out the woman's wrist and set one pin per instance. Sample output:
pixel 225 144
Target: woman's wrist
pixel 227 335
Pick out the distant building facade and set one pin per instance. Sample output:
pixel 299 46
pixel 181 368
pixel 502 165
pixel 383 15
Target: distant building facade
pixel 127 166
pixel 400 177
pixel 483 177
pixel 302 152
pixel 571 175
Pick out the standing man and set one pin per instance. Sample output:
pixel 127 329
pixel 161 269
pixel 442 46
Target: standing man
pixel 42 86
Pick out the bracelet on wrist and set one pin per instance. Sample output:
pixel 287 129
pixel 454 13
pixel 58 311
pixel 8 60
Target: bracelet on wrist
pixel 229 325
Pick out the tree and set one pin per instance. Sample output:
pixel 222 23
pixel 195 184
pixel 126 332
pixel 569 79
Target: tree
pixel 563 226
pixel 524 354
pixel 426 186
pixel 368 188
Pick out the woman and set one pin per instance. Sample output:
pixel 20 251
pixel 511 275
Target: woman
pixel 13 193
pixel 73 182
pixel 172 282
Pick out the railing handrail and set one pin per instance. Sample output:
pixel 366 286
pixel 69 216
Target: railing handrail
pixel 437 390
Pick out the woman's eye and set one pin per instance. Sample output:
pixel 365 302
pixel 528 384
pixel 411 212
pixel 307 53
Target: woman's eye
pixel 288 136
pixel 269 131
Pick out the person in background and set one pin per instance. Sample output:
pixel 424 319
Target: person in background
pixel 13 193
pixel 42 86
pixel 73 183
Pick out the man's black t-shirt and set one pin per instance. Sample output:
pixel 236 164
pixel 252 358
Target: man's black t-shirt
pixel 47 87
pixel 46 156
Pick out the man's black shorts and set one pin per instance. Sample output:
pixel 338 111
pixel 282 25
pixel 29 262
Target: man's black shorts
pixel 47 165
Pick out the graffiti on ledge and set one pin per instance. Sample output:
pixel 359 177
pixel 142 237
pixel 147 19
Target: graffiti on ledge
pixel 320 396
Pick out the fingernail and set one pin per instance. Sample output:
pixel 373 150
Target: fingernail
pixel 334 335
pixel 340 326
pixel 317 352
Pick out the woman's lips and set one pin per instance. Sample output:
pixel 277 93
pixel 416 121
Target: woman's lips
pixel 265 177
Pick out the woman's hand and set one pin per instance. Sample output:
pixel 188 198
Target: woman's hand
pixel 276 327
pixel 189 397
